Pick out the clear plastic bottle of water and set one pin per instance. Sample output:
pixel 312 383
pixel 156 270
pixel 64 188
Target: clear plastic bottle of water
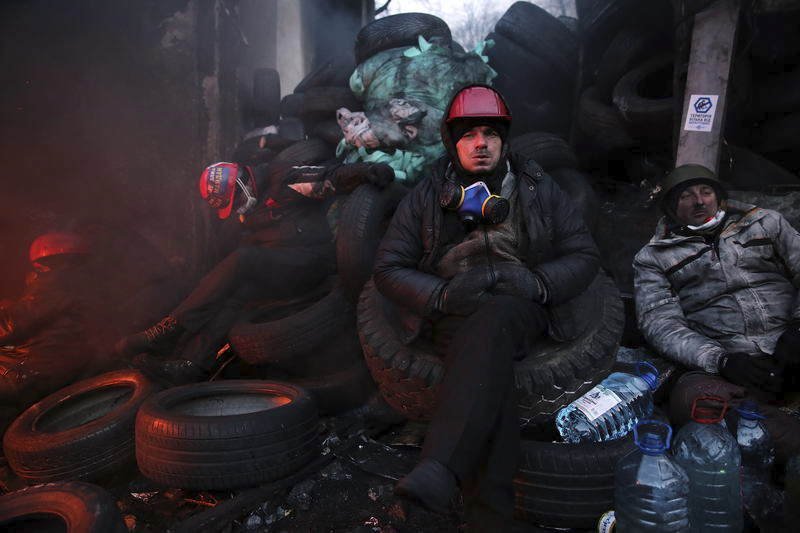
pixel 758 456
pixel 710 455
pixel 651 491
pixel 611 408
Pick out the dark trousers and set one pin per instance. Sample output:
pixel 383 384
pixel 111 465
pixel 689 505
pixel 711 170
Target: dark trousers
pixel 783 428
pixel 248 274
pixel 475 428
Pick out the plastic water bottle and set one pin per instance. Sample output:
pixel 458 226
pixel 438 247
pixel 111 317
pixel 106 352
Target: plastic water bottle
pixel 611 408
pixel 710 455
pixel 758 456
pixel 651 491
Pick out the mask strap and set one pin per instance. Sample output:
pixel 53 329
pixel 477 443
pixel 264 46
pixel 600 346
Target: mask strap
pixel 250 200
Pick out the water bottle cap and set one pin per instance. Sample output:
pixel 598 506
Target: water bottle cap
pixel 748 410
pixel 709 409
pixel 647 436
pixel 651 377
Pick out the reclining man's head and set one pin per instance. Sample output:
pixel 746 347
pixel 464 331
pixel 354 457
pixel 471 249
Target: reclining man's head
pixel 692 195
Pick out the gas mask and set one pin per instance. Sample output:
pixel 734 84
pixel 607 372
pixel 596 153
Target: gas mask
pixel 475 204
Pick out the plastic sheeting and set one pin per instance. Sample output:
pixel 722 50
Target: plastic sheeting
pixel 405 92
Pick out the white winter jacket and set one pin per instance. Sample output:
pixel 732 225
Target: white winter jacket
pixel 697 301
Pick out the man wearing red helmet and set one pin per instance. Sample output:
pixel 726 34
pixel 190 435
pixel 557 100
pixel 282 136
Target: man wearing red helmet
pixel 287 248
pixel 43 335
pixel 477 254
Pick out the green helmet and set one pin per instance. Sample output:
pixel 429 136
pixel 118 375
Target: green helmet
pixel 683 176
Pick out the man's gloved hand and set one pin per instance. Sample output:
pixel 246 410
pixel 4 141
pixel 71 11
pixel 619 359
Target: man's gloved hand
pixel 763 373
pixel 349 176
pixel 517 280
pixel 787 351
pixel 379 174
pixel 466 291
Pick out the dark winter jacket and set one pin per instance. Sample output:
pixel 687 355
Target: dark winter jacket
pixel 286 216
pixel 559 250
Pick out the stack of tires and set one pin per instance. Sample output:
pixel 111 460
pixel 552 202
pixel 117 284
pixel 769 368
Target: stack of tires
pixel 558 159
pixel 221 435
pixel 626 102
pixel 299 128
pixel 774 105
pixel 311 342
pixel 316 98
pixel 536 58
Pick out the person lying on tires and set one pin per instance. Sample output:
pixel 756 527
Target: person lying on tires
pixel 287 249
pixel 716 293
pixel 477 254
pixel 44 336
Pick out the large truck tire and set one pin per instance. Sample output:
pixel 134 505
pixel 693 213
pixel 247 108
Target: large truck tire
pixel 551 375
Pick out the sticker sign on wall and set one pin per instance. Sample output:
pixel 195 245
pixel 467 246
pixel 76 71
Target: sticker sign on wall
pixel 700 115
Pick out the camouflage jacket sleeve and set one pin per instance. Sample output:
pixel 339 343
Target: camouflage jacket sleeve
pixel 787 245
pixel 663 323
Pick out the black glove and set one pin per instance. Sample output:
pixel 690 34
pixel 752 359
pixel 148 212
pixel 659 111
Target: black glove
pixel 348 177
pixel 518 280
pixel 379 174
pixel 762 373
pixel 787 351
pixel 463 294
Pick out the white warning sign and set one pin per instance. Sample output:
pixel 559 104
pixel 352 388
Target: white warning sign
pixel 700 115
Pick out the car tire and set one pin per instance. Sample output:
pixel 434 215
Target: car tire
pixel 541 34
pixel 567 485
pixel 260 338
pixel 602 123
pixel 362 223
pixel 399 30
pixel 266 100
pixel 549 150
pixel 644 98
pixel 226 434
pixel 81 432
pixel 322 102
pixel 74 507
pixel 306 152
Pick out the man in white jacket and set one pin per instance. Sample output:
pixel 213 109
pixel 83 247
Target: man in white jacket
pixel 716 291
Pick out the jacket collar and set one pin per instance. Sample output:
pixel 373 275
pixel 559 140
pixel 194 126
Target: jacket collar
pixel 740 215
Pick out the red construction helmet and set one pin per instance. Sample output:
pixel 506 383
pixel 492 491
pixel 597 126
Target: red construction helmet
pixel 218 186
pixel 478 101
pixel 57 243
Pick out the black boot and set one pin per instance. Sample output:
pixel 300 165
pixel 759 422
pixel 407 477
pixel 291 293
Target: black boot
pixel 158 337
pixel 431 484
pixel 171 372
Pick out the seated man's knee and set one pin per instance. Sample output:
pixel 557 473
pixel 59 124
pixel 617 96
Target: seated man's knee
pixel 508 308
pixel 693 385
